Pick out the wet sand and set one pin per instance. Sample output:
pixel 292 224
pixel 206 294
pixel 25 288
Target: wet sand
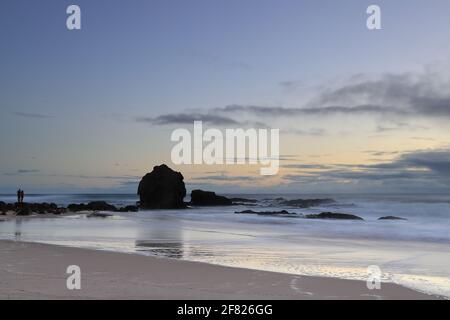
pixel 38 271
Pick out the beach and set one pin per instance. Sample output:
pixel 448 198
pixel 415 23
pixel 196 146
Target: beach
pixel 38 271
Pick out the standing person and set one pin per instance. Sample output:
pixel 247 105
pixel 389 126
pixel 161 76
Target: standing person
pixel 22 195
pixel 19 192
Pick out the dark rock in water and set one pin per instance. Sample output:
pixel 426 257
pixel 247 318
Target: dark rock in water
pixel 77 207
pixel 208 198
pixel 3 208
pixel 333 215
pixel 243 200
pixel 101 206
pixel 59 211
pixel 43 208
pixel 306 203
pixel 163 188
pixel 91 206
pixel 268 213
pixel 99 215
pixel 23 209
pixel 129 209
pixel 391 218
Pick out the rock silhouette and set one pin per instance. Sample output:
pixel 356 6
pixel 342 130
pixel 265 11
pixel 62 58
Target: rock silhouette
pixel 208 198
pixel 163 188
pixel 333 215
pixel 391 218
pixel 268 213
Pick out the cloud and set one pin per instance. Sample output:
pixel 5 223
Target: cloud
pixel 27 171
pixel 308 166
pixel 227 178
pixel 310 132
pixel 420 94
pixel 425 94
pixel 21 171
pixel 32 115
pixel 421 169
pixel 390 96
pixel 291 85
pixel 80 176
pixel 263 111
pixel 188 118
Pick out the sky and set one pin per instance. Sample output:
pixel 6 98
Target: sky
pixel 92 110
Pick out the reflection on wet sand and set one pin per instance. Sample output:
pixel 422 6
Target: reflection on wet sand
pixel 164 249
pixel 163 242
pixel 17 229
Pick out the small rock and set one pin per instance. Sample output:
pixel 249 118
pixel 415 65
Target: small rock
pixel 268 213
pixel 391 218
pixel 333 215
pixel 101 206
pixel 99 215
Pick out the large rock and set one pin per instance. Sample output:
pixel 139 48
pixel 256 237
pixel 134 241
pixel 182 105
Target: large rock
pixel 163 188
pixel 208 198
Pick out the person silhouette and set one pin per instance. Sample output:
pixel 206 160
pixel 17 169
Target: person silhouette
pixel 22 195
pixel 19 192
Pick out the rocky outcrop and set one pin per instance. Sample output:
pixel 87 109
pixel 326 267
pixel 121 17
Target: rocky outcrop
pixel 306 203
pixel 208 198
pixel 333 215
pixel 268 213
pixel 25 209
pixel 163 188
pixel 391 218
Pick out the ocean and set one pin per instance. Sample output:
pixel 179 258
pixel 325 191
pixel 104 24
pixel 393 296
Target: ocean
pixel 413 252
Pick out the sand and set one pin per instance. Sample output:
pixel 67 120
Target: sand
pixel 38 271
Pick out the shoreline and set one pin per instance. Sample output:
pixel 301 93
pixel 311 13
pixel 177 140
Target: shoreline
pixel 38 271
